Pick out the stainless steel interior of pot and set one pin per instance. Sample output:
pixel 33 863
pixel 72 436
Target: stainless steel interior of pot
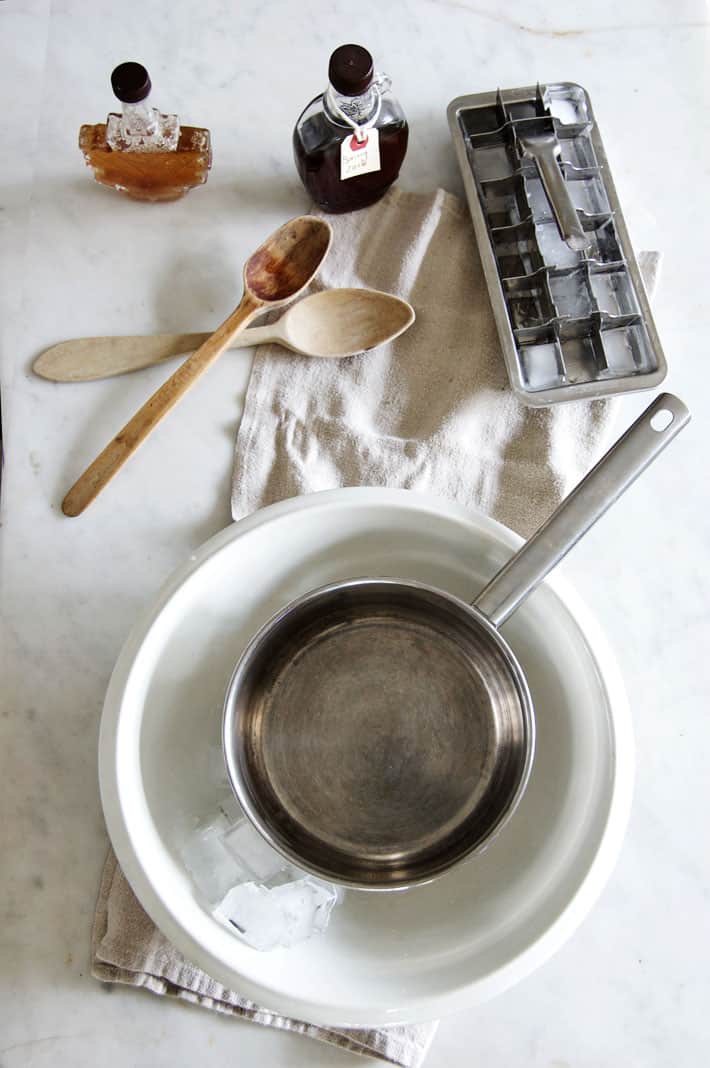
pixel 376 732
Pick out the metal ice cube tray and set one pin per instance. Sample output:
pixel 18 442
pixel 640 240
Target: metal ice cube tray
pixel 573 323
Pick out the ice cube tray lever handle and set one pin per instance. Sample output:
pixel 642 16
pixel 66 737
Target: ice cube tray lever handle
pixel 544 148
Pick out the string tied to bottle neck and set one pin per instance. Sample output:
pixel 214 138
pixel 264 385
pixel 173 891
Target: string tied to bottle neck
pixel 380 84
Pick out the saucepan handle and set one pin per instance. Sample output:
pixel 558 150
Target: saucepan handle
pixel 614 473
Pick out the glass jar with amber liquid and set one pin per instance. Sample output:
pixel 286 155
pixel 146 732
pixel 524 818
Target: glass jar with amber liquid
pixel 141 152
pixel 350 141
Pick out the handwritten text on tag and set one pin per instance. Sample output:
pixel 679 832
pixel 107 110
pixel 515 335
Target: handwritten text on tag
pixel 360 157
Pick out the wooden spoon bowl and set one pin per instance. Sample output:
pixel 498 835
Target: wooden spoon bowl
pixel 286 262
pixel 342 322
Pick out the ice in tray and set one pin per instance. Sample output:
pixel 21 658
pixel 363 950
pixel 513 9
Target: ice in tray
pixel 571 294
pixel 613 293
pixel 627 350
pixel 567 104
pixel 573 322
pixel 265 899
pixel 553 249
pixel 541 365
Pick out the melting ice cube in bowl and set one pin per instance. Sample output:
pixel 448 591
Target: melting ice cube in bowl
pixel 264 898
pixel 267 917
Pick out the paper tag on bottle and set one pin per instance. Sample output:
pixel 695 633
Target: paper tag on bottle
pixel 360 157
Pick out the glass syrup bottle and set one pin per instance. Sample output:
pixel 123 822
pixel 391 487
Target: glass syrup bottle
pixel 141 152
pixel 350 141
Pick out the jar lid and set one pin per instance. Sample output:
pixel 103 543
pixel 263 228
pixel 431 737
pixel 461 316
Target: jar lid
pixel 350 70
pixel 130 82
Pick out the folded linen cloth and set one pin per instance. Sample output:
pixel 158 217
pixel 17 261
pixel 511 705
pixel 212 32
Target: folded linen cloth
pixel 127 947
pixel 432 412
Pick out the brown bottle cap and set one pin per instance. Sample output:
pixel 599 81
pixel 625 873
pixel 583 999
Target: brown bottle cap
pixel 350 70
pixel 130 82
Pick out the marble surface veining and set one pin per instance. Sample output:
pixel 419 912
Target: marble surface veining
pixel 631 987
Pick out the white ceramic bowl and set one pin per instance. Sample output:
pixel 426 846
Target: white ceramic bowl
pixel 386 958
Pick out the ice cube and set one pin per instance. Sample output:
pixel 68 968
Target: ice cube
pixel 555 251
pixel 247 846
pixel 226 851
pixel 613 293
pixel 540 365
pixel 280 916
pixel 568 104
pixel 617 350
pixel 213 869
pixel 571 295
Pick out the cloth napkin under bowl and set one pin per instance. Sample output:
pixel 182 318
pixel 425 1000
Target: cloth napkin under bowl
pixel 432 411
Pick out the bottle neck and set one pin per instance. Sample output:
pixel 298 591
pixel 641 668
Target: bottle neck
pixel 139 118
pixel 356 112
pixel 351 110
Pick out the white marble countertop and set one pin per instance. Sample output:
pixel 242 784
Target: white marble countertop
pixel 632 985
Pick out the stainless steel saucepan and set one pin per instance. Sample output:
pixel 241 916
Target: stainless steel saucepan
pixel 377 731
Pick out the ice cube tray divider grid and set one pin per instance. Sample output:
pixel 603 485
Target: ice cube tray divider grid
pixel 572 323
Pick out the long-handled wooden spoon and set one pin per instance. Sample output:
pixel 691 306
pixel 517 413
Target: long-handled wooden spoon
pixel 273 275
pixel 332 324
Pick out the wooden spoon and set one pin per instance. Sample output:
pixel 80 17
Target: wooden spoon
pixel 333 324
pixel 273 275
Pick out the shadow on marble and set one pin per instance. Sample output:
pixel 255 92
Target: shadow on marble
pixel 196 292
pixel 87 438
pixel 217 515
pixel 275 192
pixel 258 191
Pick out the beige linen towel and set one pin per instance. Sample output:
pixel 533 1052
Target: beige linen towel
pixel 432 412
pixel 127 947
